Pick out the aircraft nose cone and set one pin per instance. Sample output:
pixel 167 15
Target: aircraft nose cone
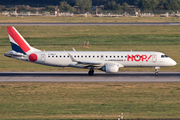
pixel 173 62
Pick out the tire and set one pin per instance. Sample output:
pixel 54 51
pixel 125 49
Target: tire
pixel 90 73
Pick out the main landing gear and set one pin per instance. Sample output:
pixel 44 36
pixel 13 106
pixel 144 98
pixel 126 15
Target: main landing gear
pixel 91 72
pixel 156 70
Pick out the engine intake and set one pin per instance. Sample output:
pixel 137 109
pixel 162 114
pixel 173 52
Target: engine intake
pixel 113 68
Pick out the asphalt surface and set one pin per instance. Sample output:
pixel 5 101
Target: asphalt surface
pixel 91 24
pixel 83 77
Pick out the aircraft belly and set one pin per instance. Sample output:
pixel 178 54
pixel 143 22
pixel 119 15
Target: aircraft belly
pixel 138 64
pixel 55 62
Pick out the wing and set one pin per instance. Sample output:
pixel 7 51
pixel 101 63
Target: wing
pixel 94 64
pixel 87 63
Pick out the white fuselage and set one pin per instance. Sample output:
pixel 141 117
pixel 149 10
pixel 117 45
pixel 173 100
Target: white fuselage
pixel 135 59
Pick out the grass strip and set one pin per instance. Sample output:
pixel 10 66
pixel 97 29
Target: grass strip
pixel 89 100
pixel 44 19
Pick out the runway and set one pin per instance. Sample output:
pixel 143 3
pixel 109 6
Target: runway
pixel 83 77
pixel 91 24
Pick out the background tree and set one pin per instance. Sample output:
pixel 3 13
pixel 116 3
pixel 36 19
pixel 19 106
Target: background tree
pixel 43 3
pixel 50 8
pixel 153 4
pixel 11 9
pixel 84 5
pixel 161 5
pixel 148 4
pixel 22 8
pixel 65 7
pixel 2 8
pixel 125 6
pixel 112 6
pixel 175 4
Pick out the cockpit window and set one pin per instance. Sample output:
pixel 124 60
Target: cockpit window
pixel 164 56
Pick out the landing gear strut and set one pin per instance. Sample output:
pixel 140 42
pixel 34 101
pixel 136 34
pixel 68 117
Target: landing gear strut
pixel 156 70
pixel 91 72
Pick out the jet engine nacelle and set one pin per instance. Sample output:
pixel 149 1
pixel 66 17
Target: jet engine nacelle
pixel 113 68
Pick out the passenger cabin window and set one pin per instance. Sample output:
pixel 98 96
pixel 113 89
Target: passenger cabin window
pixel 64 56
pixel 106 56
pixel 60 56
pixel 121 56
pixel 89 56
pixel 97 56
pixel 48 56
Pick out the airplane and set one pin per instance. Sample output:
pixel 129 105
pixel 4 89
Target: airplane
pixel 107 61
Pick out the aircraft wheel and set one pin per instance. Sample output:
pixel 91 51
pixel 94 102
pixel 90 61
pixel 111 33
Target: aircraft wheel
pixel 156 73
pixel 156 70
pixel 91 72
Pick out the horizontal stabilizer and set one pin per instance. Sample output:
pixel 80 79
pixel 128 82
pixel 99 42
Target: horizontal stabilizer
pixel 13 53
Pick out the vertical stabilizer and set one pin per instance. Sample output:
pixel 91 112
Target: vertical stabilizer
pixel 18 43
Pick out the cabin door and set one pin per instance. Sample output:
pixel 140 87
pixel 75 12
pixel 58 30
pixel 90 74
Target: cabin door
pixel 154 58
pixel 43 57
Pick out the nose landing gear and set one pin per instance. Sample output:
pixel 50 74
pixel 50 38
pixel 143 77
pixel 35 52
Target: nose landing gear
pixel 91 71
pixel 156 70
